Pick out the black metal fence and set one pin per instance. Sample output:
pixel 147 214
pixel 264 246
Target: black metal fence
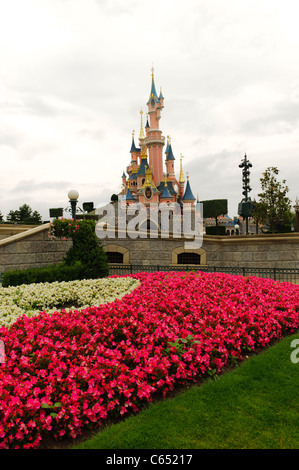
pixel 277 274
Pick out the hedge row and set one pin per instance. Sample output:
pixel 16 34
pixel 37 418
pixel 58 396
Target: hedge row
pixel 86 259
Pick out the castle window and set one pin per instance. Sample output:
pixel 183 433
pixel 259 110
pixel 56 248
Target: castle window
pixel 188 258
pixel 115 257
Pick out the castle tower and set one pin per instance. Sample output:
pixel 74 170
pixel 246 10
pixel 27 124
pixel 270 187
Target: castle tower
pixel 170 161
pixel 154 140
pixel 146 180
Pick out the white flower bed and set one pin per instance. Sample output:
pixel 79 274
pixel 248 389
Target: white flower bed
pixel 33 298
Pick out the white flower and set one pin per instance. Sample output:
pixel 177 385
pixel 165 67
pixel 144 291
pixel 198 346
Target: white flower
pixel 30 299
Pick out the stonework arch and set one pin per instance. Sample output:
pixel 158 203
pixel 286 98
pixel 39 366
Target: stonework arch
pixel 118 249
pixel 199 251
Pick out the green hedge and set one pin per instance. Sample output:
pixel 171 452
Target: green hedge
pixel 57 272
pixel 86 259
pixel 211 230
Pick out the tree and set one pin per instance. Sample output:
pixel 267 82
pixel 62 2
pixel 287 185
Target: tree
pixel 24 215
pixel 273 207
pixel 114 198
pixel 213 208
pixel 1 217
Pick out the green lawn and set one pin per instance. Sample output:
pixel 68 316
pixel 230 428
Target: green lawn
pixel 255 406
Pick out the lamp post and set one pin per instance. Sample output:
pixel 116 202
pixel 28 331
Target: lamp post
pixel 296 207
pixel 245 205
pixel 73 197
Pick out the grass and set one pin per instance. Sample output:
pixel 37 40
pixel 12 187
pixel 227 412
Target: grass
pixel 254 406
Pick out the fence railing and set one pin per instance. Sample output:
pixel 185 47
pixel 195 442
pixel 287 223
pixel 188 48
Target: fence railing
pixel 277 274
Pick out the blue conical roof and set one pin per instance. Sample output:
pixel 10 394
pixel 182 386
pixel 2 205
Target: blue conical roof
pixel 188 196
pixel 129 195
pixel 133 147
pixel 133 176
pixel 170 155
pixel 153 93
pixel 166 194
pixel 169 186
pixel 143 167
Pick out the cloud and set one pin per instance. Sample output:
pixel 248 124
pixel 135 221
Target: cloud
pixel 76 73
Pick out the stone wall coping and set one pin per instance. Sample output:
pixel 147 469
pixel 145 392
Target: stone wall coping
pixel 10 229
pixel 25 234
pixel 255 239
pixel 221 239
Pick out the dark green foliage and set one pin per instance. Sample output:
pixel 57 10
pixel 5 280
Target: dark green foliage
pixel 274 206
pixel 24 215
pixel 86 259
pixel 212 230
pixel 56 212
pixel 88 249
pixel 214 207
pixel 88 206
pixel 58 272
pixel 114 198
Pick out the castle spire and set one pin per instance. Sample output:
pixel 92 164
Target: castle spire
pixel 182 179
pixel 133 147
pixel 141 135
pixel 153 93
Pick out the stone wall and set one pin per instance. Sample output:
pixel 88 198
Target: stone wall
pixel 34 248
pixel 9 230
pixel 273 251
pixel 31 248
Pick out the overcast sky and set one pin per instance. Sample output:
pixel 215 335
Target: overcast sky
pixel 74 75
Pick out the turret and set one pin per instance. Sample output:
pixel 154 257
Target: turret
pixel 188 196
pixel 170 162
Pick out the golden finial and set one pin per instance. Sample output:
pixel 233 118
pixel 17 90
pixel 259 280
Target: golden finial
pixel 153 70
pixel 181 180
pixel 141 136
pixel 187 176
pixel 133 132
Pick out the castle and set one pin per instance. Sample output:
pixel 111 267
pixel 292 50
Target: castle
pixel 146 182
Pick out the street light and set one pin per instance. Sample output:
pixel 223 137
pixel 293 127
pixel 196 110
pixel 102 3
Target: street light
pixel 73 197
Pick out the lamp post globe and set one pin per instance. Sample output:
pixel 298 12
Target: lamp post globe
pixel 73 194
pixel 73 197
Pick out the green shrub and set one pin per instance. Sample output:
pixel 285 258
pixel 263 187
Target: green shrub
pixel 87 248
pixel 86 259
pixel 212 230
pixel 57 272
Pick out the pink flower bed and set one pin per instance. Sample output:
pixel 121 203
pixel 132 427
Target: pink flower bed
pixel 68 371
